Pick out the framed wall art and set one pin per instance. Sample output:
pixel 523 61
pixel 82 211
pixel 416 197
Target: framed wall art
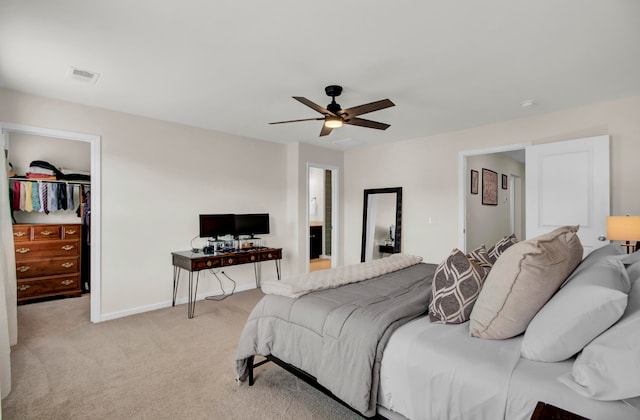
pixel 505 181
pixel 474 181
pixel 489 187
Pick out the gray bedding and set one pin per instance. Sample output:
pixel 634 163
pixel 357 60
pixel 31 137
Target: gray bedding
pixel 338 335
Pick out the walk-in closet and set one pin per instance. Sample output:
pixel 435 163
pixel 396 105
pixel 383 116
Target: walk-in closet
pixel 50 198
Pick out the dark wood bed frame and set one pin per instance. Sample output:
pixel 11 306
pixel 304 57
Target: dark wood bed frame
pixel 299 373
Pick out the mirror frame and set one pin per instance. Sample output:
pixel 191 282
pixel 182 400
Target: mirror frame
pixel 398 224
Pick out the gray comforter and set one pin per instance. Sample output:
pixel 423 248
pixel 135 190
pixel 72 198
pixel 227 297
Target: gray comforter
pixel 338 335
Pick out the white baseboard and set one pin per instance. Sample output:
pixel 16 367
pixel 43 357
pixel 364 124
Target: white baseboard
pixel 166 304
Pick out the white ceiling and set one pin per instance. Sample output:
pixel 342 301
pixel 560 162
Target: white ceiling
pixel 233 65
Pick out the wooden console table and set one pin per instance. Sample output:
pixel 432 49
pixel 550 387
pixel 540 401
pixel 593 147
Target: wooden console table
pixel 197 261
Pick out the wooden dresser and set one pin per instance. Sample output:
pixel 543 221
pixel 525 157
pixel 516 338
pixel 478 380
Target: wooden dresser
pixel 47 260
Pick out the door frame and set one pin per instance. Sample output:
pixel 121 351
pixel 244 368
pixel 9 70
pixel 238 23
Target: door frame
pixel 96 216
pixel 335 228
pixel 462 183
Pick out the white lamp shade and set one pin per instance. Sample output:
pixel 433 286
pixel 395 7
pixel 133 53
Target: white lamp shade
pixel 623 228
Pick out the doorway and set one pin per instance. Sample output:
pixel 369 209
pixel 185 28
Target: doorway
pixel 95 231
pixel 321 216
pixel 566 183
pixel 486 219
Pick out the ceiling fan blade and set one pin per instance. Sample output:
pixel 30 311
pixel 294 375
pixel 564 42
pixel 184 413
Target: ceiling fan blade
pixel 304 119
pixel 325 130
pixel 367 123
pixel 366 108
pixel 313 106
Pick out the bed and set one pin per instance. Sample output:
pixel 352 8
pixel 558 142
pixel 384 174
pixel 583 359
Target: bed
pixel 379 322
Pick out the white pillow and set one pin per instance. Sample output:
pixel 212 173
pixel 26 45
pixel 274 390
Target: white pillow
pixel 592 301
pixel 609 367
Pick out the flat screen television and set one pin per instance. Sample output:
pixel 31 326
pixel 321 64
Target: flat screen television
pixel 214 225
pixel 252 224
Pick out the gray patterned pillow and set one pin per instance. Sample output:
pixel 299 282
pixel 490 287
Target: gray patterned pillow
pixel 501 246
pixel 480 256
pixel 456 286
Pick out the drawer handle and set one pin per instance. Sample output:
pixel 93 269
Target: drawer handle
pixel 253 257
pixel 71 232
pixel 19 234
pixel 46 232
pixel 269 255
pixel 209 263
pixel 66 282
pixel 67 247
pixel 23 268
pixel 67 265
pixel 230 260
pixel 22 250
pixel 24 287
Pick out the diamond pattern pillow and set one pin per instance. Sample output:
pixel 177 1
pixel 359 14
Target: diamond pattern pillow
pixel 456 286
pixel 480 256
pixel 501 246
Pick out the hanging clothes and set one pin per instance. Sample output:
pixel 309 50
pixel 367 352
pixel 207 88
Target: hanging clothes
pixel 86 216
pixel 53 197
pixel 70 204
pixel 28 199
pixel 62 197
pixel 16 195
pixel 35 196
pixel 23 196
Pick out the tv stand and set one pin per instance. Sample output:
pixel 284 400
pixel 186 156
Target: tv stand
pixel 196 262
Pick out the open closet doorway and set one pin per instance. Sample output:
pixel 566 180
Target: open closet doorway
pixel 492 195
pixel 321 216
pixel 17 133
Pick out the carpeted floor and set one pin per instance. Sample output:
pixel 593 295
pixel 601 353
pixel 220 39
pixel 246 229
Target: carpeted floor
pixel 156 365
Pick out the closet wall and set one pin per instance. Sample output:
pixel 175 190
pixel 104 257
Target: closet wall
pixel 70 154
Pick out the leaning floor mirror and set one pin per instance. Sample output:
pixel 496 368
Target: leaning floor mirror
pixel 381 223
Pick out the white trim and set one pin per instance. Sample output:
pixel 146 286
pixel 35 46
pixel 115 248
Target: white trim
pixel 96 213
pixel 462 193
pixel 335 228
pixel 168 303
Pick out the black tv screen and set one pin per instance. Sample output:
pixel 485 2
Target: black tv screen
pixel 252 224
pixel 213 225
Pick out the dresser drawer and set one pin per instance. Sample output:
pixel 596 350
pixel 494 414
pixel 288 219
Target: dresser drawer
pixel 71 231
pixel 47 249
pixel 48 286
pixel 21 233
pixel 203 264
pixel 47 232
pixel 240 259
pixel 47 267
pixel 272 254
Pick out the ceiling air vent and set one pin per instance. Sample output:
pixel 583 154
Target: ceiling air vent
pixel 83 75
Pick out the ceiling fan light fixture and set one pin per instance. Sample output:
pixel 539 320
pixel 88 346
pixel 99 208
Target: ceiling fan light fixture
pixel 333 122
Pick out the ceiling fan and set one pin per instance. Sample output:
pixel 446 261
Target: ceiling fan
pixel 335 116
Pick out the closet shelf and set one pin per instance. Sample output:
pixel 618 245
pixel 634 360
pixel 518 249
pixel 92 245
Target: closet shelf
pixel 57 181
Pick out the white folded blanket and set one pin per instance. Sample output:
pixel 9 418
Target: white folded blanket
pixel 297 286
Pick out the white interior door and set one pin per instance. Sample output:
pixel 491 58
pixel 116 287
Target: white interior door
pixel 567 183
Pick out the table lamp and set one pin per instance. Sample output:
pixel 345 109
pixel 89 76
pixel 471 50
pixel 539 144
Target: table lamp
pixel 624 228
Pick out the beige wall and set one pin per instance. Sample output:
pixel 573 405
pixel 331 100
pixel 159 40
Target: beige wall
pixel 427 169
pixel 156 178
